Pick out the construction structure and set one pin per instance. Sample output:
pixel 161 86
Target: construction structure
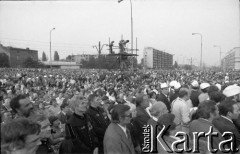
pixel 156 59
pixel 231 61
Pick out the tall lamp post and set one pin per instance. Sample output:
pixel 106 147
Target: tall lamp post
pixel 119 1
pixel 201 47
pixel 220 52
pixel 51 47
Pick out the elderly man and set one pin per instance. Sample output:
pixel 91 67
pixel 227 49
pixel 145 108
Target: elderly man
pixel 180 108
pixel 81 126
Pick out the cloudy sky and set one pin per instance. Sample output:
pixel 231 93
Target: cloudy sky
pixel 162 24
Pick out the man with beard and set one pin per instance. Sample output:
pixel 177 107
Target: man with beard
pixel 22 106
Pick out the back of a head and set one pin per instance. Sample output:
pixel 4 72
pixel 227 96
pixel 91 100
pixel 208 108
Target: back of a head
pixel 158 108
pixel 216 96
pixel 14 133
pixel 225 107
pixel 139 99
pixel 212 88
pixel 205 108
pixel 183 92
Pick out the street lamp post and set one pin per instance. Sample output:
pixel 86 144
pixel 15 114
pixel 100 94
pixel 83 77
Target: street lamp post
pixel 201 47
pixel 51 47
pixel 220 52
pixel 131 29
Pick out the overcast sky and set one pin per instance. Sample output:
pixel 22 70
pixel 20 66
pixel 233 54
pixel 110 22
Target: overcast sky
pixel 162 24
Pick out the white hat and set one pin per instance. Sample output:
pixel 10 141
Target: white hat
pixel 177 85
pixel 204 85
pixel 219 86
pixel 231 90
pixel 172 83
pixel 164 85
pixel 195 83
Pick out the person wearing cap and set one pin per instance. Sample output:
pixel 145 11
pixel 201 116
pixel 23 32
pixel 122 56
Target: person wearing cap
pixel 156 110
pixel 207 112
pixel 181 109
pixel 98 117
pixel 163 96
pixel 232 92
pixel 174 91
pixel 195 93
pixel 228 111
pixel 204 95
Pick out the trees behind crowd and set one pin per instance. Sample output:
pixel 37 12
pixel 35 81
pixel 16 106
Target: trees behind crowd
pixel 30 63
pixel 56 56
pixel 106 62
pixel 44 57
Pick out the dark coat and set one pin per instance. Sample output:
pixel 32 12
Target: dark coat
pixel 139 121
pixel 161 97
pixel 202 125
pixel 224 125
pixel 63 117
pixel 100 123
pixel 83 130
pixel 154 124
pixel 116 141
pixel 194 98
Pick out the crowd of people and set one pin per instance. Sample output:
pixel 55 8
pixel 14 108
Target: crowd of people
pixel 54 111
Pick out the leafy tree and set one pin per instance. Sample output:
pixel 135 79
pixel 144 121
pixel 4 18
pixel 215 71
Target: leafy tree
pixel 30 63
pixel 187 67
pixel 4 60
pixel 69 58
pixel 175 65
pixel 44 57
pixel 56 56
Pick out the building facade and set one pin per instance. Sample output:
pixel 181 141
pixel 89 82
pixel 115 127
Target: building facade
pixel 232 60
pixel 156 59
pixel 18 55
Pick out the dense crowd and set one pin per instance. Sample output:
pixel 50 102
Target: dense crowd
pixel 54 111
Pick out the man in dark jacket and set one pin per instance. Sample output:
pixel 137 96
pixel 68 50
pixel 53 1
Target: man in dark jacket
pixel 142 102
pixel 82 127
pixel 98 117
pixel 195 93
pixel 228 110
pixel 163 96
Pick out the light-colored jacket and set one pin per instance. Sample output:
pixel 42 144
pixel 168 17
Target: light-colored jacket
pixel 116 142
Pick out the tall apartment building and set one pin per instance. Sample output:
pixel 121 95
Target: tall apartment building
pixel 156 59
pixel 18 55
pixel 232 60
